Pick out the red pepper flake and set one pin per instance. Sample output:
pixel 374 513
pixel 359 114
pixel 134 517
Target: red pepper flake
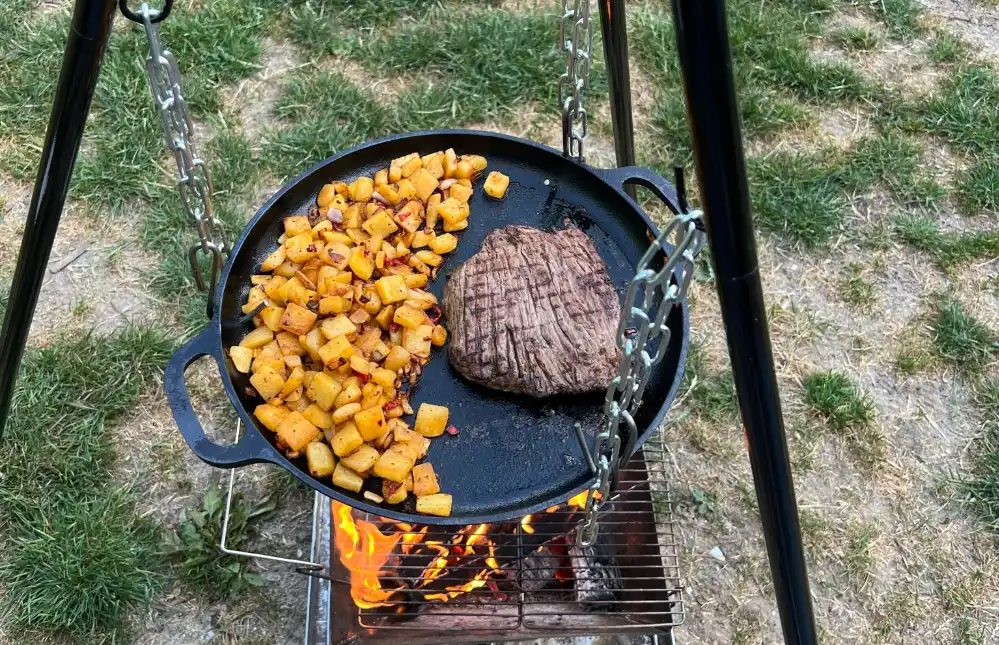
pixel 395 327
pixel 452 430
pixel 363 377
pixel 393 403
pixel 391 262
pixel 403 215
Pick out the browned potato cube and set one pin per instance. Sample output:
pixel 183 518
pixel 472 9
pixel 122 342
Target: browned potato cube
pixel 431 419
pixel 450 163
pixel 409 317
pixel 424 183
pixel 297 319
pixel 411 165
pixel 301 248
pixel 496 185
pixel 417 341
pixel 443 244
pixel 394 464
pixel 371 423
pixel 361 189
pixel 425 480
pixel 271 415
pixel 346 440
pixel 361 460
pixel 323 389
pixel 461 193
pixel 257 338
pixel 397 359
pixel 321 462
pixel 294 381
pixel 274 260
pixel 296 225
pixel 438 336
pixel 433 205
pixel 272 317
pixel 345 413
pixel 267 382
pixel 289 344
pixel 346 478
pixel 326 195
pixel 439 504
pixel 393 492
pixel 296 432
pixel 318 417
pixel 242 357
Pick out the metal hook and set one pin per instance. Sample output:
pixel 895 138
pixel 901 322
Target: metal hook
pixel 134 17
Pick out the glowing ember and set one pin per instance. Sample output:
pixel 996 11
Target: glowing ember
pixel 526 524
pixel 579 501
pixel 364 551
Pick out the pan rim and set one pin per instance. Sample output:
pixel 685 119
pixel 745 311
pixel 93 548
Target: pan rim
pixel 270 454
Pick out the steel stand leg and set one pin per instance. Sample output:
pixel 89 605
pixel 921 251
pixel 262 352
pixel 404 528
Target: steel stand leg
pixel 615 37
pixel 81 64
pixel 702 37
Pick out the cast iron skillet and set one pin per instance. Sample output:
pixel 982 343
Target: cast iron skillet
pixel 513 455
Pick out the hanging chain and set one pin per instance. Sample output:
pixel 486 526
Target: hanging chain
pixel 194 181
pixel 577 41
pixel 643 337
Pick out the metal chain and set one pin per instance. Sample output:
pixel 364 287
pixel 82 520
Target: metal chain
pixel 577 41
pixel 194 181
pixel 643 337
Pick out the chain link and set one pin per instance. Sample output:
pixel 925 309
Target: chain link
pixel 577 41
pixel 194 181
pixel 643 337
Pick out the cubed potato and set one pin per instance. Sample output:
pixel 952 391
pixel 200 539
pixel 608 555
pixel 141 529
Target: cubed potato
pixel 320 458
pixel 450 163
pixel 362 459
pixel 384 317
pixel 360 364
pixel 416 280
pixel 478 162
pixel 454 228
pixel 394 492
pixel 347 439
pixel 301 248
pixel 267 361
pixel 431 419
pixel 435 165
pixel 362 262
pixel 346 478
pixel 433 205
pixel 242 357
pixel 397 358
pixel 351 216
pixel 297 319
pixel 273 290
pixel 401 431
pixel 271 415
pixel 274 260
pixel 336 352
pixel 438 336
pixel 257 338
pixel 268 383
pixel 296 432
pixel 461 193
pixel 391 288
pixel 268 351
pixel 339 325
pixel 336 254
pixel 351 393
pixel 332 305
pixel 422 238
pixel 411 166
pixel 410 216
pixel 439 504
pixel 296 225
pixel 312 342
pixel 256 296
pixel 496 185
pixel 289 344
pixel 361 189
pixel 371 423
pixel 345 413
pixel 390 192
pixel 381 178
pixel 409 317
pixel 288 269
pixel 424 183
pixel 393 465
pixel 326 195
pixel 318 417
pixel 374 303
pixel 418 446
pixel 384 377
pixel 452 211
pixel 272 317
pixel 381 224
pixel 417 341
pixel 429 258
pixel 442 244
pixel 294 380
pixel 294 361
pixel 425 480
pixel 323 389
pixel 464 169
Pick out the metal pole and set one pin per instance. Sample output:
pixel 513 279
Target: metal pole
pixel 81 63
pixel 702 38
pixel 615 36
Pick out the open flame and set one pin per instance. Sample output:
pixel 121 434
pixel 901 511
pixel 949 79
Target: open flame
pixel 364 551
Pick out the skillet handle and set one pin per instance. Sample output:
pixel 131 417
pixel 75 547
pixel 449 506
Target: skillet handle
pixel 250 449
pixel 621 177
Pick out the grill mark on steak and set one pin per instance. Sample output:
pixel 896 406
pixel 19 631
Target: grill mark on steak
pixel 534 313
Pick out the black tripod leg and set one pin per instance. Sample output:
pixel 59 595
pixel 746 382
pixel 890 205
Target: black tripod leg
pixel 81 64
pixel 702 37
pixel 615 37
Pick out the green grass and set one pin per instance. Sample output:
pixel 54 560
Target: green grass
pixel 75 558
pixel 948 48
pixel 960 339
pixel 978 188
pixel 948 249
pixel 858 558
pixel 901 17
pixel 856 289
pixel 982 486
pixel 858 39
pixel 712 395
pixel 835 398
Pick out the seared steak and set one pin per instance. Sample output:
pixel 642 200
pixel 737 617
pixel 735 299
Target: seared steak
pixel 534 313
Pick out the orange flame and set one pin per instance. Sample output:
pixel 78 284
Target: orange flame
pixel 363 550
pixel 579 501
pixel 526 524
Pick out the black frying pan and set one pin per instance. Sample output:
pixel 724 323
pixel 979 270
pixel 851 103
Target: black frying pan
pixel 513 455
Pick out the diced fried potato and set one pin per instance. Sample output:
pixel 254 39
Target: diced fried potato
pixel 384 317
pixel 397 358
pixel 393 465
pixel 296 225
pixel 394 492
pixel 243 356
pixel 297 319
pixel 450 163
pixel 318 417
pixel 401 431
pixel 257 338
pixel 464 170
pixel 296 432
pixel 496 185
pixel 271 415
pixel 391 288
pixel 312 342
pixel 254 298
pixel 415 280
pixel 438 336
pixel 326 195
pixel 332 305
pixel 320 458
pixel 289 344
pixel 425 480
pixel 273 290
pixel 362 263
pixel 410 166
pixel 270 350
pixel 409 317
pixel 454 228
pixel 336 352
pixel 381 178
pixel 374 303
pixel 422 238
pixel 345 413
pixel 435 166
pixel 272 317
pixel 351 393
pixel 461 193
pixel 380 224
pixel 417 341
pixel 351 216
pixel 340 325
pixel 294 380
pixel 323 389
pixel 360 364
pixel 424 183
pixel 478 162
pixel 433 206
pixel 443 244
pixel 452 211
pixel 301 248
pixel 273 260
pixel 429 258
pixel 383 377
pixel 347 439
pixel 371 423
pixel 390 191
pixel 361 189
pixel 346 478
pixel 439 504
pixel 362 459
pixel 431 419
